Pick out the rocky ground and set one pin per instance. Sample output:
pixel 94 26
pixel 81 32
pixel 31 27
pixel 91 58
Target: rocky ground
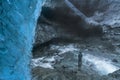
pixel 58 48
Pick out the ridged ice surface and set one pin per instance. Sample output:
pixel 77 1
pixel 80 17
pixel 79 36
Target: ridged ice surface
pixel 17 24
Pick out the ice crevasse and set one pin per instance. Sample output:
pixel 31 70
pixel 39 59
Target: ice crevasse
pixel 18 19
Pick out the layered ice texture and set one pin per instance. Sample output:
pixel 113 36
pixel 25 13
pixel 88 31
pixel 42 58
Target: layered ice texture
pixel 17 28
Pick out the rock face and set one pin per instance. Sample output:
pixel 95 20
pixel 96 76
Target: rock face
pixel 100 11
pixel 17 28
pixel 115 75
pixel 96 18
pixel 63 33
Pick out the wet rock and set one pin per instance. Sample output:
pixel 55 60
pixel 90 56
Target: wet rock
pixel 44 33
pixel 115 75
pixel 68 61
pixel 115 60
pixel 48 74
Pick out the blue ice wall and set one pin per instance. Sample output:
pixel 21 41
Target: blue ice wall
pixel 17 25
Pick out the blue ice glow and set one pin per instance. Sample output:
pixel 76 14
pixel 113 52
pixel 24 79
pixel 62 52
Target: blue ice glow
pixel 17 25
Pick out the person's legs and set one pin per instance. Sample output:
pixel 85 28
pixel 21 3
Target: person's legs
pixel 17 28
pixel 80 61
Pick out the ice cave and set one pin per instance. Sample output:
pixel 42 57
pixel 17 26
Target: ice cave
pixel 59 39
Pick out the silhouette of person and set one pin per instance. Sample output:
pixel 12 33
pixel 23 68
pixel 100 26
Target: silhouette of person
pixel 79 60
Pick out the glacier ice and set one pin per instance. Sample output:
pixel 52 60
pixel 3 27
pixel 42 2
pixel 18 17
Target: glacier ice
pixel 17 25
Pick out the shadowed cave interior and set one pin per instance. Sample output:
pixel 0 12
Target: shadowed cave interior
pixel 67 29
pixel 59 39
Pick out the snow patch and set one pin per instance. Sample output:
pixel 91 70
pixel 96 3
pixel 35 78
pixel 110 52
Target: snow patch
pixel 47 62
pixel 43 62
pixel 64 49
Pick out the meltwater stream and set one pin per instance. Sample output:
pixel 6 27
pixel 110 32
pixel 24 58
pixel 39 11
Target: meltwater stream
pixel 100 65
pixel 97 64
